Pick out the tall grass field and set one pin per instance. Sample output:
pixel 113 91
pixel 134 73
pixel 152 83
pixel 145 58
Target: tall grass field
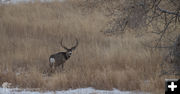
pixel 31 32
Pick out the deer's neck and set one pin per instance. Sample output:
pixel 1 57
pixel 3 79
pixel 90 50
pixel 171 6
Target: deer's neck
pixel 67 56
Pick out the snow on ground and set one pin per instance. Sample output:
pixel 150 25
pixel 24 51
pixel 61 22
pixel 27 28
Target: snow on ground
pixel 18 1
pixel 70 91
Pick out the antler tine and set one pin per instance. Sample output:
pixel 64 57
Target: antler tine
pixel 63 45
pixel 74 47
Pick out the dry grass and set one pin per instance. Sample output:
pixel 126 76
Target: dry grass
pixel 30 33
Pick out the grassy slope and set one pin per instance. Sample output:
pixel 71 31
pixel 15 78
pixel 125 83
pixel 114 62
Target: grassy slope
pixel 29 33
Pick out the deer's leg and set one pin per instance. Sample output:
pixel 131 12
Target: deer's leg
pixel 62 66
pixel 53 67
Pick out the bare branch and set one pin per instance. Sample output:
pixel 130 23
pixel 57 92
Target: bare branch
pixel 168 12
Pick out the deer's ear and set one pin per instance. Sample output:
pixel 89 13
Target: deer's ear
pixel 73 48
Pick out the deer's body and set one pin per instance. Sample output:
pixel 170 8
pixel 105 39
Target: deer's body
pixel 57 59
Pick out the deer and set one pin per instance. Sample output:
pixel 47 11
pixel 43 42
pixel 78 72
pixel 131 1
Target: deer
pixel 57 59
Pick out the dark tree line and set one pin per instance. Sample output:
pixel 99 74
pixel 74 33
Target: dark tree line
pixel 162 15
pixel 166 12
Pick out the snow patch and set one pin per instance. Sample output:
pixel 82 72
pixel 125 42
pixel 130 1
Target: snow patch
pixel 70 91
pixel 6 85
pixel 24 1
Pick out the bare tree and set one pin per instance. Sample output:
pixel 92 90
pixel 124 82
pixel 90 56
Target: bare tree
pixel 143 13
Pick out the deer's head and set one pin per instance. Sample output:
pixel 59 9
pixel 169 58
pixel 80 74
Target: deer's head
pixel 69 50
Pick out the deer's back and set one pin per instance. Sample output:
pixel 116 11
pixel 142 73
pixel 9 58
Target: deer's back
pixel 59 58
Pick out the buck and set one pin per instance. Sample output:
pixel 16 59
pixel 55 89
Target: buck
pixel 57 59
